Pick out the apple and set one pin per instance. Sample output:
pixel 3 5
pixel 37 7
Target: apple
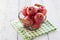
pixel 24 11
pixel 39 18
pixel 44 11
pixel 30 11
pixel 35 26
pixel 39 10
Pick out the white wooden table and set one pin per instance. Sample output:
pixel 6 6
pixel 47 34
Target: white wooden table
pixel 9 10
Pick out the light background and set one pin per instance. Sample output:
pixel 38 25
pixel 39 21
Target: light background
pixel 9 10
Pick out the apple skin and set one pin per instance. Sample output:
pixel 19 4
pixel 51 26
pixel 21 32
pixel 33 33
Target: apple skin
pixel 41 10
pixel 35 26
pixel 30 20
pixel 24 11
pixel 31 11
pixel 44 11
pixel 39 18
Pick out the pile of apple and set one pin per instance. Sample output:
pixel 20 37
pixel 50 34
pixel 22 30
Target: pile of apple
pixel 34 16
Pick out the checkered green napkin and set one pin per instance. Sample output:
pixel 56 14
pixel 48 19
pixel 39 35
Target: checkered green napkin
pixel 29 35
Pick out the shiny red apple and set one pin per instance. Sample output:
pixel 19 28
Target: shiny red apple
pixel 31 11
pixel 35 26
pixel 44 11
pixel 24 11
pixel 39 18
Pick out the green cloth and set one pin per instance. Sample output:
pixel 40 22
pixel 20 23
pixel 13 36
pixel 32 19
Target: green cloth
pixel 29 35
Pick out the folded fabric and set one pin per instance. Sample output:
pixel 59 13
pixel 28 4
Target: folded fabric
pixel 29 35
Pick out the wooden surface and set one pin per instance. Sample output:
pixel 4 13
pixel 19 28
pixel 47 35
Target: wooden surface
pixel 9 10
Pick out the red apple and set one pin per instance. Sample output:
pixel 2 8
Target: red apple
pixel 24 11
pixel 35 26
pixel 39 10
pixel 30 11
pixel 39 18
pixel 44 11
